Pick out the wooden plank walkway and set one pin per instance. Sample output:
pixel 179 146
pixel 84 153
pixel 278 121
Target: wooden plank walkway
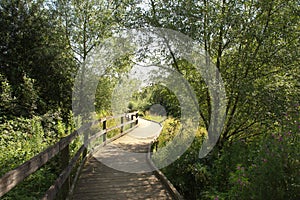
pixel 126 173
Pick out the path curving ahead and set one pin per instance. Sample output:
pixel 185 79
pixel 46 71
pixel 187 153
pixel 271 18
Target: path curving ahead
pixel 120 170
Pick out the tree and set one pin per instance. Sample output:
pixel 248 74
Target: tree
pixel 32 46
pixel 254 46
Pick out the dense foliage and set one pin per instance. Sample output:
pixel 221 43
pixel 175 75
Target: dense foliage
pixel 34 56
pixel 18 143
pixel 265 167
pixel 254 44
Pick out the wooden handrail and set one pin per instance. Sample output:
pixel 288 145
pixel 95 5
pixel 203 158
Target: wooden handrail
pixel 54 189
pixel 9 180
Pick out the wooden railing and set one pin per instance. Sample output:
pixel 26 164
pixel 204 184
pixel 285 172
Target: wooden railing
pixel 62 184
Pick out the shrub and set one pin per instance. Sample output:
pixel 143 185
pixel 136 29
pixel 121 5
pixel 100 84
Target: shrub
pixel 264 167
pixel 20 140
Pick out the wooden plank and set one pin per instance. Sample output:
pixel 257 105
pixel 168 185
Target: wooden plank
pixel 122 115
pixel 96 135
pixel 117 116
pixel 13 177
pixel 120 135
pixel 163 179
pixel 102 132
pixel 67 140
pixel 98 181
pixel 79 169
pixel 65 156
pixel 87 126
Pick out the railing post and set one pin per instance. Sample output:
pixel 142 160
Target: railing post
pixel 122 122
pixel 136 118
pixel 131 118
pixel 104 135
pixel 85 140
pixel 65 157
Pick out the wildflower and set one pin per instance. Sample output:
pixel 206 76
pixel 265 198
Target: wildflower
pixel 217 198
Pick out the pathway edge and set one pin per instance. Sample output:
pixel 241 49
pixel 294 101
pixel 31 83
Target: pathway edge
pixel 176 195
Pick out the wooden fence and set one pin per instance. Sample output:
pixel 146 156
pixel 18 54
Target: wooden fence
pixel 62 184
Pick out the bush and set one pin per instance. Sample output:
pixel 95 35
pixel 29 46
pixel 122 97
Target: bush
pixel 20 140
pixel 187 174
pixel 264 167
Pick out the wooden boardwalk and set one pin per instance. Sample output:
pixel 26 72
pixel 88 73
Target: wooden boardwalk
pixel 126 173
